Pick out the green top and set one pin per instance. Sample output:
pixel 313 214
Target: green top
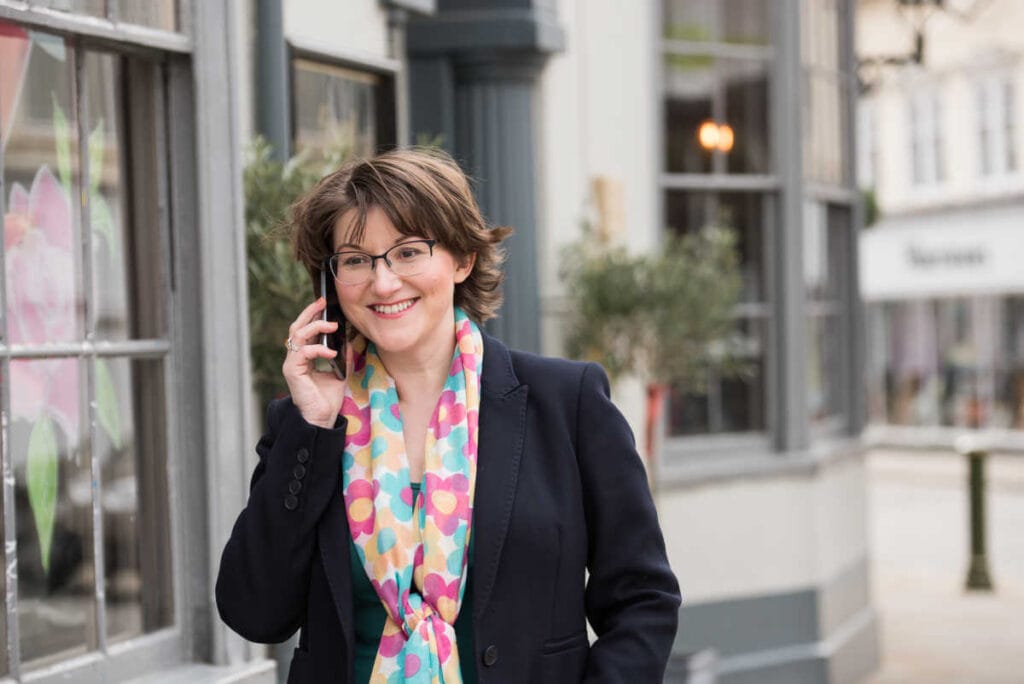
pixel 370 617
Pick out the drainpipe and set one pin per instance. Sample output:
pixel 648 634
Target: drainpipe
pixel 273 100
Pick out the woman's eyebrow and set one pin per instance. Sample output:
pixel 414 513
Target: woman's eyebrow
pixel 360 248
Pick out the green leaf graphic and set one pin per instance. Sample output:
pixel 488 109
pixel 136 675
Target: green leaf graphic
pixel 97 145
pixel 62 136
pixel 103 224
pixel 106 400
pixel 41 476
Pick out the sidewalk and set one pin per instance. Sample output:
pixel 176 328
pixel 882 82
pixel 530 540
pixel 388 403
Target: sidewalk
pixel 932 631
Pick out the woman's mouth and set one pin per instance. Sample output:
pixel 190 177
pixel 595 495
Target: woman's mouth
pixel 393 309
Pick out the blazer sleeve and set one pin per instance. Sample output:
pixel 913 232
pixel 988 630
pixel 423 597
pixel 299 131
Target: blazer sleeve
pixel 264 570
pixel 632 597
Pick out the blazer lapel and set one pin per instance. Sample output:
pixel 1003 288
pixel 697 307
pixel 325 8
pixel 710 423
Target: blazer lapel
pixel 502 423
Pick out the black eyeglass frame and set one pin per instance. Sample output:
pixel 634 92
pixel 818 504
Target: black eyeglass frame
pixel 329 261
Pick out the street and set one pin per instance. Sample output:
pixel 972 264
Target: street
pixel 932 630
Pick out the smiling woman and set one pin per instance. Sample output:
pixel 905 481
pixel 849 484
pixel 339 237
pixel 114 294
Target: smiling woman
pixel 439 508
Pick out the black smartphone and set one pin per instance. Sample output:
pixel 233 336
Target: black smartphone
pixel 335 340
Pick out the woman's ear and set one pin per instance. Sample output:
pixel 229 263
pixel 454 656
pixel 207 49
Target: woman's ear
pixel 465 267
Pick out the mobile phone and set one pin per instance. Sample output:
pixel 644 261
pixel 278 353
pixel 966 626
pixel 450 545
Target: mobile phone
pixel 335 340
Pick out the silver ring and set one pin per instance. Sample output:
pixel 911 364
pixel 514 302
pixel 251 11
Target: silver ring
pixel 290 345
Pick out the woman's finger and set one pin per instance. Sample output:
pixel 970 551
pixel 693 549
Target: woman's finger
pixel 313 329
pixel 308 314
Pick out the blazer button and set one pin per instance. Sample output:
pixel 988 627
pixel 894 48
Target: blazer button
pixel 490 655
pixel 291 502
pixel 294 487
pixel 302 455
pixel 299 472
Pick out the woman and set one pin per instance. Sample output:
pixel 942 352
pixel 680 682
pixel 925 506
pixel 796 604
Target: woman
pixel 433 516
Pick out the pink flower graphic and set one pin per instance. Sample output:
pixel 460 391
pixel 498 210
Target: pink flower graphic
pixel 447 502
pixel 448 414
pixel 41 298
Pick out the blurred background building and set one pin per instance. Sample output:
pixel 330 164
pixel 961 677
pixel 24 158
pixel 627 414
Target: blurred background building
pixel 939 160
pixel 123 127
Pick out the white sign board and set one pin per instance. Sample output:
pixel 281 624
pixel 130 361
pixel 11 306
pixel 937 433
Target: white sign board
pixel 954 254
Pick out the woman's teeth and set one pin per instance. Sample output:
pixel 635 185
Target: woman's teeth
pixel 393 308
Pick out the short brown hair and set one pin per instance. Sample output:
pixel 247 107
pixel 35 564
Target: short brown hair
pixel 423 192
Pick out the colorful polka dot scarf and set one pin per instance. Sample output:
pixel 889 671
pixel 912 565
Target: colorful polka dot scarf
pixel 414 554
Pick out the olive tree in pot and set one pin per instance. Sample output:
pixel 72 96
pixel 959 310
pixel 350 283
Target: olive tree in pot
pixel 666 317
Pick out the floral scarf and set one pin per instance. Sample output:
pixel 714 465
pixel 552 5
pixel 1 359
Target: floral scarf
pixel 415 555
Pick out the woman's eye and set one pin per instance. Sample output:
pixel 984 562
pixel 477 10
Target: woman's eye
pixel 355 260
pixel 410 252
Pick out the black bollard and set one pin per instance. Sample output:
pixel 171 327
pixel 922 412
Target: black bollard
pixel 978 578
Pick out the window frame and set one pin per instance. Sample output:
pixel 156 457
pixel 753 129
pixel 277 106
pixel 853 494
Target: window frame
pixel 204 283
pixel 121 657
pixel 388 101
pixel 788 428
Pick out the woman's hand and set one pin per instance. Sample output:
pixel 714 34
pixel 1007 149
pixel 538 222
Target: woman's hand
pixel 316 394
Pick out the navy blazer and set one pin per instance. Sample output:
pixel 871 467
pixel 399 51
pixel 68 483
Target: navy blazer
pixel 560 492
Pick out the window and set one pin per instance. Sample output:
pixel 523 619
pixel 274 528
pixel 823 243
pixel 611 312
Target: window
pixel 867 144
pixel 826 93
pixel 717 58
pixel 950 362
pixel 716 73
pixel 924 123
pixel 826 237
pixel 995 106
pixel 341 109
pixel 85 352
pixel 731 403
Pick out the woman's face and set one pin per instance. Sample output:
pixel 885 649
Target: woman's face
pixel 401 315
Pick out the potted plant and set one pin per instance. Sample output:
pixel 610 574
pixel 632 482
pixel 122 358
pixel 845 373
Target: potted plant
pixel 666 317
pixel 279 286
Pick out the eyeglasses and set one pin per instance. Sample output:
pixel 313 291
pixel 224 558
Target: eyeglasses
pixel 404 259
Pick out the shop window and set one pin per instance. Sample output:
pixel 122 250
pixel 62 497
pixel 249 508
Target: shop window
pixel 728 95
pixel 826 92
pixel 731 403
pixel 827 238
pixel 85 356
pixel 951 362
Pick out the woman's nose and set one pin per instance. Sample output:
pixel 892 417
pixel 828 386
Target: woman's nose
pixel 384 280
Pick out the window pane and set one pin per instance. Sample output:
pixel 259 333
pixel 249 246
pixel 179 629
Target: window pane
pixel 125 301
pixel 824 356
pixel 1010 368
pixel 744 213
pixel 731 402
pixel 729 93
pixel 821 46
pixel 159 14
pixel 94 8
pixel 731 21
pixel 43 270
pixel 825 116
pixel 53 509
pixel 335 109
pixel 130 445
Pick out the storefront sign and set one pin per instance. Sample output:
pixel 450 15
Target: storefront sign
pixel 959 254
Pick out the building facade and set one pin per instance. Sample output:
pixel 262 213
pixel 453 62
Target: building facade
pixel 123 131
pixel 940 155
